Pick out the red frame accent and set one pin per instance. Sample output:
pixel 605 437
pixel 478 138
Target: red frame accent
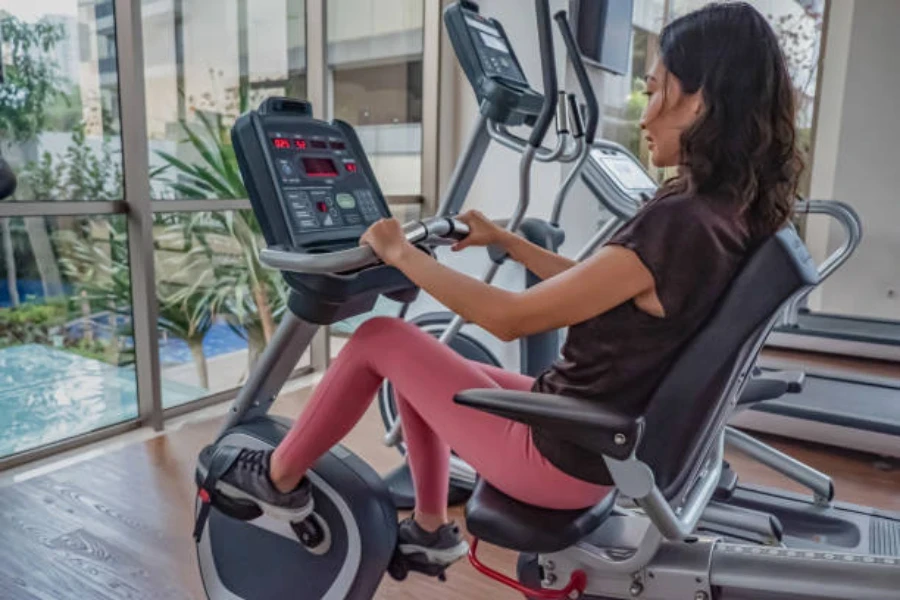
pixel 577 583
pixel 204 496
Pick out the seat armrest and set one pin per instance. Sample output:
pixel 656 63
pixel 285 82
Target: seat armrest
pixel 794 379
pixel 770 385
pixel 761 388
pixel 592 425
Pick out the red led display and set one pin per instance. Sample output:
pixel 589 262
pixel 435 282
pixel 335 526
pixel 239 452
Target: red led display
pixel 318 144
pixel 319 167
pixel 351 167
pixel 300 144
pixel 281 143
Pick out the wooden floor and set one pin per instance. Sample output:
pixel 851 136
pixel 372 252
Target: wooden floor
pixel 118 526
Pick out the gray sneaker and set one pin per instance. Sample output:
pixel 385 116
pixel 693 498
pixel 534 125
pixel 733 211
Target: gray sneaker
pixel 440 548
pixel 243 474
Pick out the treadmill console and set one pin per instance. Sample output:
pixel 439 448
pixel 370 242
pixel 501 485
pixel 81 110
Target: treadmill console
pixel 310 182
pixel 489 62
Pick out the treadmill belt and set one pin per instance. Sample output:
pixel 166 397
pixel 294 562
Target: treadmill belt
pixel 852 329
pixel 841 402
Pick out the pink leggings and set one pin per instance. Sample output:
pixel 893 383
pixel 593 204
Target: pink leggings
pixel 426 375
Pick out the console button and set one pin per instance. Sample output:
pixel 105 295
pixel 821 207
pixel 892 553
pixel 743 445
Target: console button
pixel 287 170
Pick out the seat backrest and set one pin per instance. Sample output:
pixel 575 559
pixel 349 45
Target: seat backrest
pixel 688 409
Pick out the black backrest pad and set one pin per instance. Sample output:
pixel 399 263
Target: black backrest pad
pixel 691 398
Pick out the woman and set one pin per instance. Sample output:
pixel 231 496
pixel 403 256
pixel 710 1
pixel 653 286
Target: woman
pixel 720 109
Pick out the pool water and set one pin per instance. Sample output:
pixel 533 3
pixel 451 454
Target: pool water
pixel 48 394
pixel 220 339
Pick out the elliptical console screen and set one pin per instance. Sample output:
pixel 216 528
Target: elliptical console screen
pixel 482 46
pixel 493 49
pixel 624 171
pixel 310 178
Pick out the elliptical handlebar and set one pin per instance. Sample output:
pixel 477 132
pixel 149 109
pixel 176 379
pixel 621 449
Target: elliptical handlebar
pixel 548 68
pixel 503 136
pixel 584 82
pixel 430 232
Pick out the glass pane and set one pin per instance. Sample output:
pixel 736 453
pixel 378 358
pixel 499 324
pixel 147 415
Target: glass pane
pixel 623 97
pixel 218 306
pixel 59 104
pixel 798 26
pixel 375 84
pixel 66 349
pixel 206 62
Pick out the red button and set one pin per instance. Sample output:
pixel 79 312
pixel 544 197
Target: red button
pixel 321 207
pixel 351 167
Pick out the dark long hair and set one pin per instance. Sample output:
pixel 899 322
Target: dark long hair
pixel 743 145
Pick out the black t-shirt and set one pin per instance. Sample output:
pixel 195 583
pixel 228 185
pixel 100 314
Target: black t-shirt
pixel 693 246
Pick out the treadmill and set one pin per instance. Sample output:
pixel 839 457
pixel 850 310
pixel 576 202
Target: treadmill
pixel 834 407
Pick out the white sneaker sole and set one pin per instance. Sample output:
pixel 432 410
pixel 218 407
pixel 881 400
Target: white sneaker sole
pixel 443 557
pixel 291 515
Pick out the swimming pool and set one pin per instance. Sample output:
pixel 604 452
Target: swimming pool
pixel 48 394
pixel 220 339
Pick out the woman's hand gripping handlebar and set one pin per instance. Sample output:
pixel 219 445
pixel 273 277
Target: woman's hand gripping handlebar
pixel 384 236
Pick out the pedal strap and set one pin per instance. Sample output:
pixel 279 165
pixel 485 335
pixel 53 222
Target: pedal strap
pixel 222 460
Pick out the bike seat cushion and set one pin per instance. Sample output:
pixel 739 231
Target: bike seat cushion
pixel 494 517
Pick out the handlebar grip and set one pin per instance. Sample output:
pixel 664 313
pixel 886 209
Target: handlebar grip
pixel 562 114
pixel 443 231
pixel 575 116
pixel 584 82
pixel 321 264
pixel 458 230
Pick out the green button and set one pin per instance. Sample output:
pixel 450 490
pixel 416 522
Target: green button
pixel 346 201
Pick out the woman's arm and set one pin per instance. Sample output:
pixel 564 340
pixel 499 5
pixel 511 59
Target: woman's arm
pixel 612 276
pixel 540 261
pixel 484 232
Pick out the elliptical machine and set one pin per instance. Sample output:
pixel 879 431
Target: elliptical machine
pixel 506 100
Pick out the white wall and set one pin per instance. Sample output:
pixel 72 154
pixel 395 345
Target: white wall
pixel 856 155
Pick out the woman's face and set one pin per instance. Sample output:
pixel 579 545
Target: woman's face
pixel 669 112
